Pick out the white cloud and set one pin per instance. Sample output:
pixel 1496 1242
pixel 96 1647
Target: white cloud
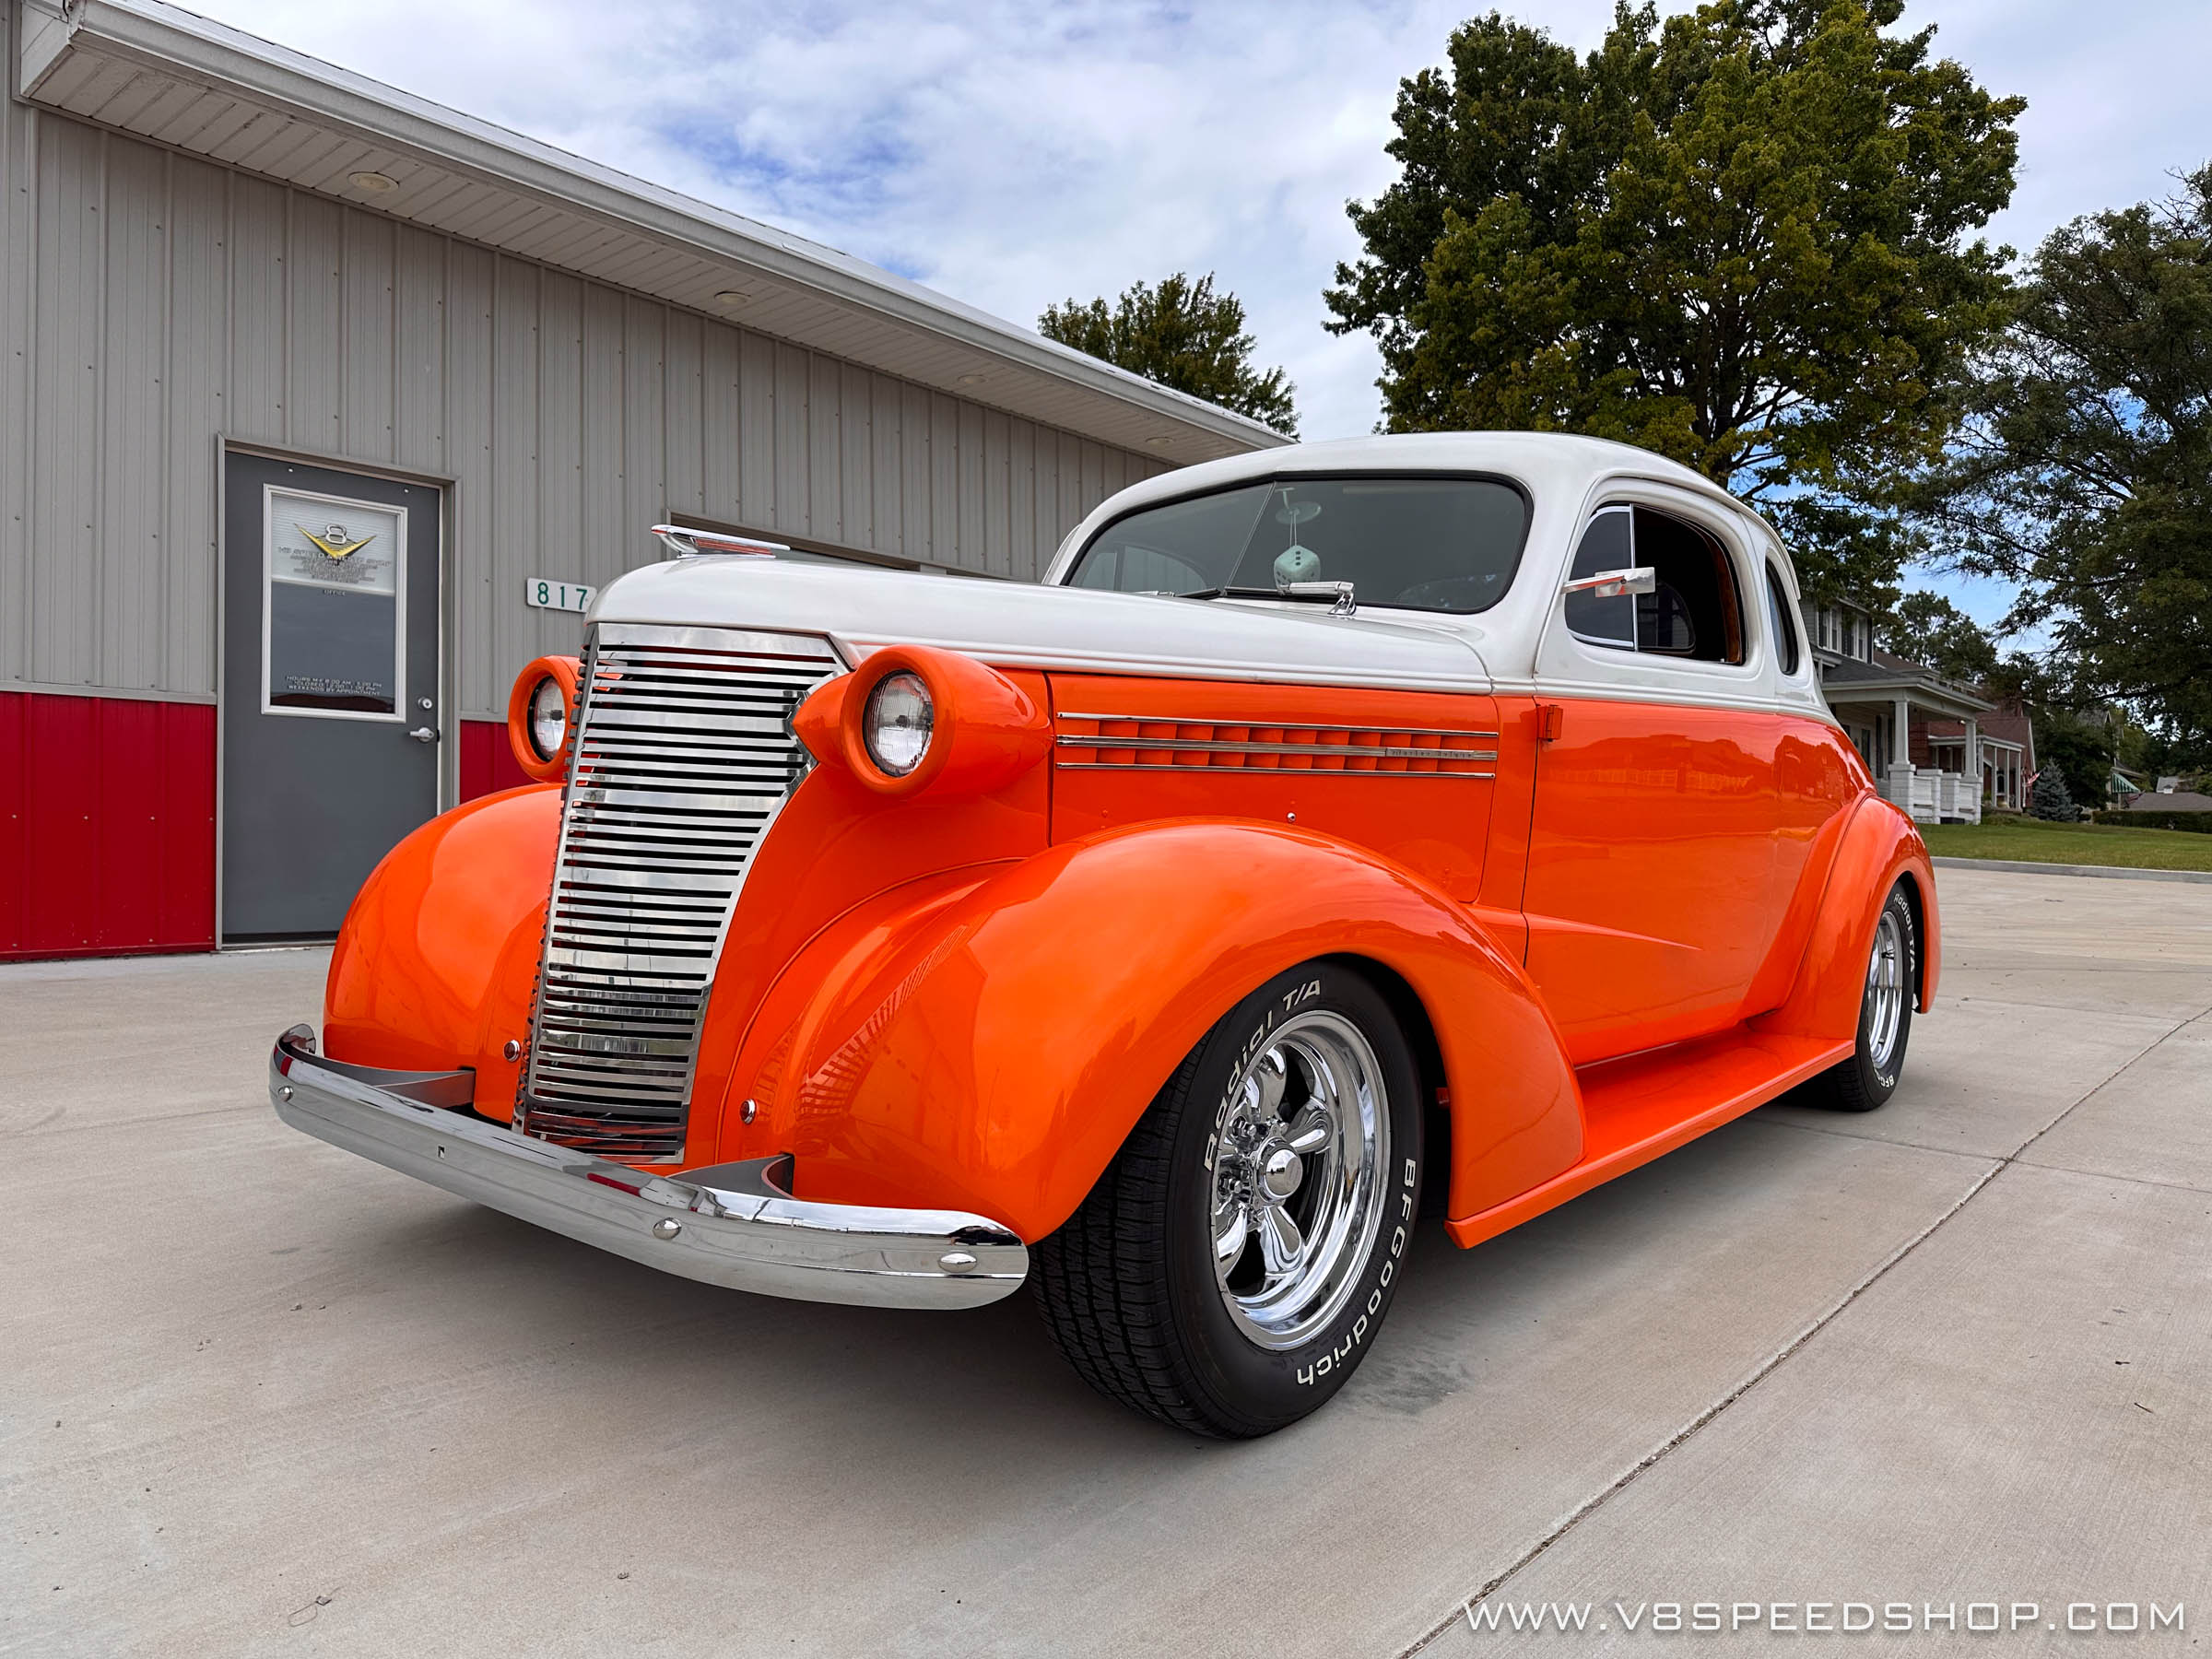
pixel 1009 154
pixel 1014 154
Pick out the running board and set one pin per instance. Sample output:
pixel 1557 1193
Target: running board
pixel 1642 1106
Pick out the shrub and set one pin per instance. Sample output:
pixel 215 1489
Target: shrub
pixel 2049 799
pixel 2200 823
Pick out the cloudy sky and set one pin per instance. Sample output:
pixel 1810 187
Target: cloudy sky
pixel 1016 152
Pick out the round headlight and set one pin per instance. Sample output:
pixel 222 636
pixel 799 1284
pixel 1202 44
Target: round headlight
pixel 548 718
pixel 897 722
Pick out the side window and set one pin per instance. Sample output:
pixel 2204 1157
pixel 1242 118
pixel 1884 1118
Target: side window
pixel 1781 622
pixel 1135 569
pixel 1608 545
pixel 1693 610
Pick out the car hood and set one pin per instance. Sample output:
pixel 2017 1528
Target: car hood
pixel 1020 625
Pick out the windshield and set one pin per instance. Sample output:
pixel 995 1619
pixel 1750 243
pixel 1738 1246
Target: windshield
pixel 1417 544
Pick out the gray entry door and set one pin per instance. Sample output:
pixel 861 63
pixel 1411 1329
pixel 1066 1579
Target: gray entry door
pixel 331 714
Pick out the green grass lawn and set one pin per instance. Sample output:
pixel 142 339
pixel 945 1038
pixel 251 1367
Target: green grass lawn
pixel 2031 840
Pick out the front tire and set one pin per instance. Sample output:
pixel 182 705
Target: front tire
pixel 1870 1077
pixel 1233 1264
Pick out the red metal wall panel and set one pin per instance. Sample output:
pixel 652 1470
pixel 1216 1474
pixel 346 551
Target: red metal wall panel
pixel 187 908
pixel 14 830
pixel 107 826
pixel 126 805
pixel 487 760
pixel 60 874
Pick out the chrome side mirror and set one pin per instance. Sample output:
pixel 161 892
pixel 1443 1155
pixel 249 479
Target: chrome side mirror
pixel 1612 584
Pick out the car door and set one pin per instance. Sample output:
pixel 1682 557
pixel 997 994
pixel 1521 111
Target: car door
pixel 1650 895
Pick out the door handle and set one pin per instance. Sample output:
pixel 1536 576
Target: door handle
pixel 424 734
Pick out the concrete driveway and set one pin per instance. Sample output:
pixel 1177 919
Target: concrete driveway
pixel 261 1397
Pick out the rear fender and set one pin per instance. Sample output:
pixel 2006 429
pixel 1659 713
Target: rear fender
pixel 985 1041
pixel 1880 845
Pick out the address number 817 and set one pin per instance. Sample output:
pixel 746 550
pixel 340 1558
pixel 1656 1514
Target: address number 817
pixel 545 593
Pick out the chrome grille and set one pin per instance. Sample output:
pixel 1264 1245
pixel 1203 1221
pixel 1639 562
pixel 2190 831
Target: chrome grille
pixel 683 757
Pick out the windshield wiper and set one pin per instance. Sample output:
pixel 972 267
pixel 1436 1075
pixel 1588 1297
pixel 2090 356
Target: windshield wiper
pixel 1328 593
pixel 1336 594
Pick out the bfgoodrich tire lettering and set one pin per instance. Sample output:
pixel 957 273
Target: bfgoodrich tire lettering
pixel 1234 1263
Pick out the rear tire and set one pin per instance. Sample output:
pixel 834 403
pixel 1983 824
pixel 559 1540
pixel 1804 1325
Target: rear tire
pixel 1234 1263
pixel 1870 1077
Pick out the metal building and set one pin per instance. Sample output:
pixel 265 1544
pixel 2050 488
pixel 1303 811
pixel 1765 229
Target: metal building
pixel 306 383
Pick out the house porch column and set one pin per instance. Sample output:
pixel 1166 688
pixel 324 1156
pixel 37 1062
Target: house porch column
pixel 1901 753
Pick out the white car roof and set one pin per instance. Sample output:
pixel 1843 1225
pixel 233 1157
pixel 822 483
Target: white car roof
pixel 1551 465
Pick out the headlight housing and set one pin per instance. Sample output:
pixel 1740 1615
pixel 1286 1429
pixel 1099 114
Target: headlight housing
pixel 548 726
pixel 917 718
pixel 897 722
pixel 540 711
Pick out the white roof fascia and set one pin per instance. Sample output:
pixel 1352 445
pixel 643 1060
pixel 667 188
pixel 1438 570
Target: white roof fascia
pixel 172 42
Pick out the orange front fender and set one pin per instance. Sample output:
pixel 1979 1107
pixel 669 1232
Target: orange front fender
pixel 434 967
pixel 1880 845
pixel 985 1041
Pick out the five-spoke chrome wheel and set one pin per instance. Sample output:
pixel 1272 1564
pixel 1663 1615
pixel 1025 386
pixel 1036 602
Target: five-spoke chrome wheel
pixel 1886 975
pixel 1298 1155
pixel 1235 1263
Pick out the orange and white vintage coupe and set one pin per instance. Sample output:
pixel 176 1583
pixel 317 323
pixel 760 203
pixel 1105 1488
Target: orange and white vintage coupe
pixel 1446 821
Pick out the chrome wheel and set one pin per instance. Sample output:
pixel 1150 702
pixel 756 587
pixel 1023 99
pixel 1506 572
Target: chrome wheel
pixel 1297 1157
pixel 1886 975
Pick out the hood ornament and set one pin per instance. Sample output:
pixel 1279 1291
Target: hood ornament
pixel 686 543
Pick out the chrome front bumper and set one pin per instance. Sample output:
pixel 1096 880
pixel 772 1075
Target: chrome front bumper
pixel 732 1224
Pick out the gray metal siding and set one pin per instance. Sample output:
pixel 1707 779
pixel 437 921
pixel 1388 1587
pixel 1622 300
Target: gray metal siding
pixel 149 303
pixel 243 104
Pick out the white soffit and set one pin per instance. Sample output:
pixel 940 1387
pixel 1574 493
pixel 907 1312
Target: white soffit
pixel 167 75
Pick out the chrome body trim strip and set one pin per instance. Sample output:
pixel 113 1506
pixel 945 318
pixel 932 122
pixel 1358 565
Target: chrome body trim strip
pixel 1256 771
pixel 1274 725
pixel 734 1225
pixel 1203 745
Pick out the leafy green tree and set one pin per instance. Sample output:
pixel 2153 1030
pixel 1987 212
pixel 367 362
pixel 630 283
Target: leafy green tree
pixel 1929 630
pixel 1736 238
pixel 1183 335
pixel 2145 756
pixel 2160 755
pixel 2083 471
pixel 2078 750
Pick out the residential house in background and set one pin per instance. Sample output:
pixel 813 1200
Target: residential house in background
pixel 2168 796
pixel 1892 709
pixel 2007 757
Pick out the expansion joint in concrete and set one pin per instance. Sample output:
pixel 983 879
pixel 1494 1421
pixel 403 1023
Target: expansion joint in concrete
pixel 1772 1362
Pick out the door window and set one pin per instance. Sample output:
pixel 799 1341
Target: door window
pixel 335 576
pixel 1693 609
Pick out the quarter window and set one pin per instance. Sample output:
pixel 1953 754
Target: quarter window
pixel 1781 622
pixel 1608 545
